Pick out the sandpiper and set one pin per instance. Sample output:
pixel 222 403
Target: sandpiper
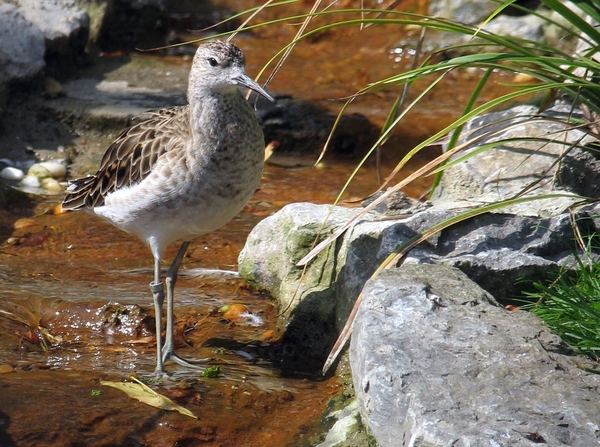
pixel 184 172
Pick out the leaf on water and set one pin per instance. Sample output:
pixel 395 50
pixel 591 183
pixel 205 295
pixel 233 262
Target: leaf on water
pixel 147 395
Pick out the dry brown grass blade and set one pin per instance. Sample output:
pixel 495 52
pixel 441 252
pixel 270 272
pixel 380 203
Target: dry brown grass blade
pixel 343 337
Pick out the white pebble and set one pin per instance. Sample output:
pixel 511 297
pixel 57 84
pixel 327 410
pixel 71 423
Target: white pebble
pixel 51 185
pixel 31 180
pixel 57 168
pixel 39 171
pixel 10 173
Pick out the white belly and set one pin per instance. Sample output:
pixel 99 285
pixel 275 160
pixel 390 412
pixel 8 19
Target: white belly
pixel 166 207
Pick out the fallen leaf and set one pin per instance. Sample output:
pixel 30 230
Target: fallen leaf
pixel 147 395
pixel 24 223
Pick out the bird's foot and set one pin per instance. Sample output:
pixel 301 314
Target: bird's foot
pixel 191 364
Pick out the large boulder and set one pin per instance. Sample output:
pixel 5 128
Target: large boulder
pixel 497 251
pixel 65 28
pixel 37 38
pixel 540 154
pixel 21 47
pixel 436 361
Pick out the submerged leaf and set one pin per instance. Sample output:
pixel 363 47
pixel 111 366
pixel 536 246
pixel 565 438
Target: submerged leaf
pixel 147 395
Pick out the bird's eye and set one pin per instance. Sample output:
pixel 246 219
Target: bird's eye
pixel 212 62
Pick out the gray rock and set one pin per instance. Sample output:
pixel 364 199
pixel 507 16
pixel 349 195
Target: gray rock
pixel 544 26
pixel 531 161
pixel 39 37
pixel 436 361
pixel 462 11
pixel 346 426
pixel 21 47
pixel 500 252
pixel 529 27
pixel 497 251
pixel 305 298
pixel 65 28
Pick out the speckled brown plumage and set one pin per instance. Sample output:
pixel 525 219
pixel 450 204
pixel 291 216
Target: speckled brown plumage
pixel 130 158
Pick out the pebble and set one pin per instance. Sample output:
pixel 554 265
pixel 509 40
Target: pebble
pixel 5 368
pixel 52 88
pixel 38 171
pixel 523 78
pixel 56 168
pixel 51 185
pixel 10 173
pixel 44 173
pixel 31 181
pixel 24 223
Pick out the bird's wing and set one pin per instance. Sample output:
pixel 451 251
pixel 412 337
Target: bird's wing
pixel 131 157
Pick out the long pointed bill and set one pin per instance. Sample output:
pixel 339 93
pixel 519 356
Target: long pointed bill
pixel 248 82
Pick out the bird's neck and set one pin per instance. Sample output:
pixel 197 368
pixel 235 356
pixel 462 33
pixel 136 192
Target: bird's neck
pixel 211 112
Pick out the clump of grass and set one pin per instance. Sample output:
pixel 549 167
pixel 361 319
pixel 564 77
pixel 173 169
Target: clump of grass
pixel 570 305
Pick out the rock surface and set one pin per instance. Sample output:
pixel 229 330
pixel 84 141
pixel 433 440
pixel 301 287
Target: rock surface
pixel 495 250
pixel 544 26
pixel 21 46
pixel 65 28
pixel 306 299
pixel 37 38
pixel 436 361
pixel 533 160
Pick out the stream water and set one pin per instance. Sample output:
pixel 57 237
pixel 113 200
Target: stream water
pixel 76 309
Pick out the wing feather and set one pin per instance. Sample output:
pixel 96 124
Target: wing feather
pixel 131 157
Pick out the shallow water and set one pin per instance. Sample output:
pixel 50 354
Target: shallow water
pixel 76 309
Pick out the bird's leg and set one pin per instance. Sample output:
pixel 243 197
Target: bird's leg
pixel 168 351
pixel 171 279
pixel 158 294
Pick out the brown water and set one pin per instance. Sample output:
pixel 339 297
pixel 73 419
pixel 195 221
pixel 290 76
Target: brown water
pixel 76 308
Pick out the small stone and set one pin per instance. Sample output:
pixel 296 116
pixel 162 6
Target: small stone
pixel 56 168
pixel 31 181
pixel 523 78
pixel 10 173
pixel 5 368
pixel 24 223
pixel 39 171
pixel 52 88
pixel 51 185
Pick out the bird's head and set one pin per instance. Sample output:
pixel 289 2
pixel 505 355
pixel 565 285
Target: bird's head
pixel 219 66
